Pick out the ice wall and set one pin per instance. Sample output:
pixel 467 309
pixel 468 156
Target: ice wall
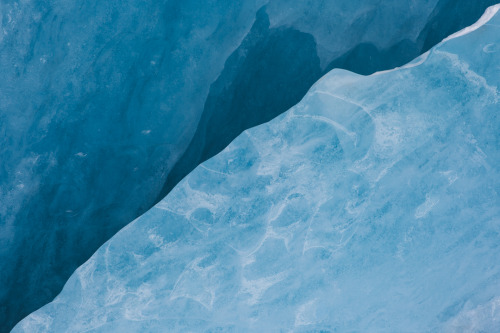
pixel 372 206
pixel 100 101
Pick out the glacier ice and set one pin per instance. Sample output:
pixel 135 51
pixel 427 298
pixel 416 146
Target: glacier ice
pixel 100 99
pixel 372 205
pixel 256 87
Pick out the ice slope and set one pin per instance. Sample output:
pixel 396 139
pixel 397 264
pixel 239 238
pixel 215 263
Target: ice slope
pixel 373 206
pixel 100 99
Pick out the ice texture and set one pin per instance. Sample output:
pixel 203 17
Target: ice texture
pixel 100 99
pixel 371 206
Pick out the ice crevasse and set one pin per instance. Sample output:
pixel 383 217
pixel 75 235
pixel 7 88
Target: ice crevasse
pixel 106 105
pixel 372 205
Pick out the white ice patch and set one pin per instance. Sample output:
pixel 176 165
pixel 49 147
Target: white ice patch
pixel 306 314
pixel 256 288
pixel 426 207
pixel 488 15
pixel 483 318
pixel 414 63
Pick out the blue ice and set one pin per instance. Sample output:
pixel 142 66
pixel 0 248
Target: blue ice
pixel 373 205
pixel 106 105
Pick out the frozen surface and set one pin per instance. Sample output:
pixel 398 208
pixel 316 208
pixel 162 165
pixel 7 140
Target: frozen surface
pixel 101 101
pixel 372 206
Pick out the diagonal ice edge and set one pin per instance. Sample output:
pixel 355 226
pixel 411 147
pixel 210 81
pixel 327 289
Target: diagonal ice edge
pixel 372 205
pixel 485 18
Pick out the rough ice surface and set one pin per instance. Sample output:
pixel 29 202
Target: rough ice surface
pixel 100 99
pixel 373 206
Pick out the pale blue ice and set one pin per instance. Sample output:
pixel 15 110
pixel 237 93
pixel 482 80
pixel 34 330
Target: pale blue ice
pixel 373 205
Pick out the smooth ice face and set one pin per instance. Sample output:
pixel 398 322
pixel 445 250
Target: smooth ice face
pixel 100 99
pixel 372 205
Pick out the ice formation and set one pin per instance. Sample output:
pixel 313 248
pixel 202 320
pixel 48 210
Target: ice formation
pixel 100 99
pixel 372 205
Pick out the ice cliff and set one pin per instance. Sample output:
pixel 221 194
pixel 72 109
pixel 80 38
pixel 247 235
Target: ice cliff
pixel 372 205
pixel 106 105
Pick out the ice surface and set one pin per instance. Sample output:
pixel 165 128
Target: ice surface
pixel 100 99
pixel 372 206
